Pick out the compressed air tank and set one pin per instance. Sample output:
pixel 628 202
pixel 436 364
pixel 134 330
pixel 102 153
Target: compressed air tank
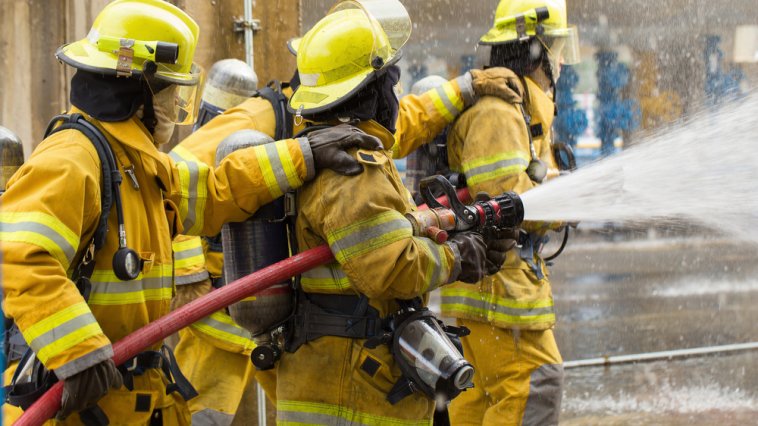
pixel 11 155
pixel 230 82
pixel 254 244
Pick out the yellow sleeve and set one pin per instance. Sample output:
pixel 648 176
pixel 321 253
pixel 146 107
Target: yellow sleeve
pixel 360 218
pixel 244 181
pixel 489 144
pixel 44 230
pixel 253 114
pixel 423 117
pixel 189 260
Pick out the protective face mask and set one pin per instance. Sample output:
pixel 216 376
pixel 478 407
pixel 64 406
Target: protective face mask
pixel 164 106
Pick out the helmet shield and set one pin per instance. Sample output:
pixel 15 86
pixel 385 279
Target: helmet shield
pixel 389 15
pixel 562 45
pixel 186 98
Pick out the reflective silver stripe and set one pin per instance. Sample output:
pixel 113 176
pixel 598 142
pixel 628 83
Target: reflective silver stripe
pixel 184 254
pixel 44 230
pixel 194 173
pixel 366 235
pixel 83 362
pixel 207 416
pixel 446 101
pixel 465 83
pixel 314 418
pixel 310 167
pixel 62 330
pixel 436 263
pixel 277 167
pixel 486 306
pixel 226 328
pixel 545 392
pixel 325 272
pixel 118 287
pixel 191 278
pixel 456 269
pixel 487 168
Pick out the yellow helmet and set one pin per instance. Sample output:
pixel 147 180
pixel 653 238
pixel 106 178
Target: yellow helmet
pixel 519 20
pixel 345 50
pixel 130 35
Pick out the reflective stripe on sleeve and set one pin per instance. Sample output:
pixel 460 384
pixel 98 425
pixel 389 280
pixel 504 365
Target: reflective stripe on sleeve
pixel 495 166
pixel 61 331
pixel 446 101
pixel 277 167
pixel 473 302
pixel 42 230
pixel 193 182
pixel 154 286
pixel 330 277
pixel 367 235
pixel 221 326
pixel 188 253
pixel 438 269
pixel 300 412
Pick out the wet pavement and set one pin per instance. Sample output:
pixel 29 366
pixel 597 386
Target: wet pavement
pixel 628 297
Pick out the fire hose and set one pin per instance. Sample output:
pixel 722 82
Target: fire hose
pixel 128 347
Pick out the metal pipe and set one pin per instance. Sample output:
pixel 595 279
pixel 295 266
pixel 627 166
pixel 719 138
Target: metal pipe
pixel 249 33
pixel 261 405
pixel 656 356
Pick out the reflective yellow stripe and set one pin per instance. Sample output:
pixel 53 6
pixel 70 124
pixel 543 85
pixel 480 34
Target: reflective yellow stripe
pixel 61 331
pixel 452 96
pixel 499 165
pixel 439 105
pixel 193 182
pixel 330 277
pixel 368 235
pixel 472 302
pixel 222 327
pixel 156 285
pixel 438 269
pixel 42 230
pixel 300 412
pixel 289 166
pixel 267 171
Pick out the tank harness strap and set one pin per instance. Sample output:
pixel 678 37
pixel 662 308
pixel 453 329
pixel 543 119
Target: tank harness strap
pixel 166 362
pixel 318 315
pixel 273 93
pixel 530 246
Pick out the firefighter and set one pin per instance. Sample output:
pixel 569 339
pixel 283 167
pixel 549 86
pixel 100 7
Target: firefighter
pixel 215 343
pixel 505 145
pixel 79 275
pixel 329 373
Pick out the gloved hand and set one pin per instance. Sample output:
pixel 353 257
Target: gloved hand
pixel 497 81
pixel 473 254
pixel 498 243
pixel 329 145
pixel 84 389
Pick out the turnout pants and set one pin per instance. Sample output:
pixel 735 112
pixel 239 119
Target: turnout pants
pixel 518 377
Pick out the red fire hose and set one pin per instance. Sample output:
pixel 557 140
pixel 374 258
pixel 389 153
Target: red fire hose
pixel 131 345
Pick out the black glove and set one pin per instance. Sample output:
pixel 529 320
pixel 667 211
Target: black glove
pixel 84 389
pixel 498 243
pixel 473 252
pixel 329 145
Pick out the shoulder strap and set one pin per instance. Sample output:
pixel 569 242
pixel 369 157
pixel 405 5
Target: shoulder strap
pixel 110 174
pixel 273 93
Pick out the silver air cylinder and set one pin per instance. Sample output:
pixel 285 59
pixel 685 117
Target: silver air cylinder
pixel 11 155
pixel 230 82
pixel 254 244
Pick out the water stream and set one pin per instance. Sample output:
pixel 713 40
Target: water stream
pixel 702 170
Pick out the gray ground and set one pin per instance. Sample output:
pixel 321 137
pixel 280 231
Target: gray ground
pixel 655 294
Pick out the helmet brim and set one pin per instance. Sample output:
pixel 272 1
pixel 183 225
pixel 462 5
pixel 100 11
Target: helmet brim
pixel 83 55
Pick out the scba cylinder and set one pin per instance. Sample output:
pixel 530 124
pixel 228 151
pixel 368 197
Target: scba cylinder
pixel 254 244
pixel 230 82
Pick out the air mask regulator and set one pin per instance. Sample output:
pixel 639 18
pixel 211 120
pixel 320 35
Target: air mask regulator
pixel 505 211
pixel 428 352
